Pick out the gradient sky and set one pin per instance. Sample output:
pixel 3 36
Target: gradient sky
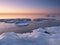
pixel 28 7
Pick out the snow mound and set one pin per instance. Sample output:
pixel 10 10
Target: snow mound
pixel 37 37
pixel 53 29
pixel 10 35
pixel 9 38
pixel 54 39
pixel 34 38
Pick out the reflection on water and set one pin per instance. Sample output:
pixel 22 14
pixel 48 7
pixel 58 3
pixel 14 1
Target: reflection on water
pixel 8 27
pixel 12 27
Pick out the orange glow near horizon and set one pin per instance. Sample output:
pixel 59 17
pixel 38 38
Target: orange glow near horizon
pixel 20 16
pixel 9 10
pixel 24 8
pixel 16 10
pixel 26 11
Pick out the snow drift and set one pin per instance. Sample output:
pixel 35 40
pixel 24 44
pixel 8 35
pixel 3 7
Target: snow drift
pixel 37 37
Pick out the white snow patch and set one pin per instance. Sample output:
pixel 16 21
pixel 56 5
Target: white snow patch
pixel 53 29
pixel 37 37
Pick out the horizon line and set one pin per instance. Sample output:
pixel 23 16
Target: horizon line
pixel 26 13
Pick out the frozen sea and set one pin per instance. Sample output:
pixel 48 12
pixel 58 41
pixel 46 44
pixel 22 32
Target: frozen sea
pixel 37 37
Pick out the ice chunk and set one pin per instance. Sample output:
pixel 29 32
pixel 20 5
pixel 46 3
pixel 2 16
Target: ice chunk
pixel 40 30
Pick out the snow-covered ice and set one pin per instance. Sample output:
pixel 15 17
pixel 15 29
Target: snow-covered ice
pixel 37 37
pixel 53 29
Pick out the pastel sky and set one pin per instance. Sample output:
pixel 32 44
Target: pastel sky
pixel 18 7
pixel 29 6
